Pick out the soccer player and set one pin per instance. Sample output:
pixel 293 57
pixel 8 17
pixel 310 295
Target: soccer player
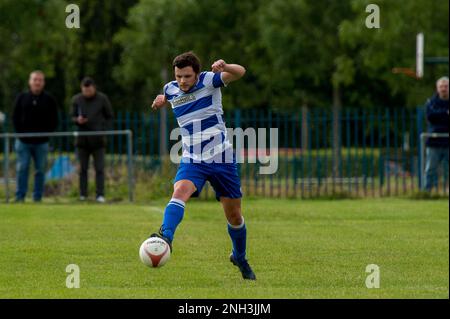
pixel 196 101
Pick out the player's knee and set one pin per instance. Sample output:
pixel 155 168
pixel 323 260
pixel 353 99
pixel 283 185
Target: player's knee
pixel 183 191
pixel 236 220
pixel 235 217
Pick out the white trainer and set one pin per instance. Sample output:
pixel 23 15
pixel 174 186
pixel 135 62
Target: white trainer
pixel 101 199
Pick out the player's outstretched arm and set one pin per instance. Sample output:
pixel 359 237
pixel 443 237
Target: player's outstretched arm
pixel 159 102
pixel 230 72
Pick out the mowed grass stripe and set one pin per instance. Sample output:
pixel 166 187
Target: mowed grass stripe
pixel 298 249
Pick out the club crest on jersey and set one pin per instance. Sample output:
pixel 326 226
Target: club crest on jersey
pixel 183 99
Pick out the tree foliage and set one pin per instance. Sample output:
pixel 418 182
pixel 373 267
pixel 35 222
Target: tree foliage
pixel 297 52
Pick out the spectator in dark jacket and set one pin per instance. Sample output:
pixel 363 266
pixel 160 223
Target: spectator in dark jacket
pixel 34 111
pixel 91 111
pixel 437 111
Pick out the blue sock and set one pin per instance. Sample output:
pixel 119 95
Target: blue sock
pixel 172 217
pixel 238 236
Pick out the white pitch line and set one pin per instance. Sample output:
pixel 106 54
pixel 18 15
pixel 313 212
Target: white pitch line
pixel 155 209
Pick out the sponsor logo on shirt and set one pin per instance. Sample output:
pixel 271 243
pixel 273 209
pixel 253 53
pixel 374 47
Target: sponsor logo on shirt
pixel 183 99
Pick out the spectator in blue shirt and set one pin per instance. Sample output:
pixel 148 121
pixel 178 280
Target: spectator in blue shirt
pixel 437 112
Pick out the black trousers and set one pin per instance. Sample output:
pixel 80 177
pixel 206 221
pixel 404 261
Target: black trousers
pixel 99 165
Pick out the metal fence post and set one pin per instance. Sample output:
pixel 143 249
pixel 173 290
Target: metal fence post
pixel 422 162
pixel 325 150
pixel 380 155
pixel 388 152
pixel 356 160
pixel 6 167
pixel 364 155
pixel 419 120
pixel 372 153
pixel 130 165
pixel 318 156
pixel 349 157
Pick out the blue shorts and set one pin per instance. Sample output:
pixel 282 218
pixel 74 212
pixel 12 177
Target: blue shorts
pixel 223 177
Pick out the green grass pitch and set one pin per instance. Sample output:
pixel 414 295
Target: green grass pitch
pixel 298 249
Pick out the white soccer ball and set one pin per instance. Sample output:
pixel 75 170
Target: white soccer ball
pixel 154 252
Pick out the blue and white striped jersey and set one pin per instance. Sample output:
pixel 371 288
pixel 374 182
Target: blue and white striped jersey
pixel 199 115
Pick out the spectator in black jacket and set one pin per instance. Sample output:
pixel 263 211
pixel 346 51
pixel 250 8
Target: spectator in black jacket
pixel 91 111
pixel 437 151
pixel 34 111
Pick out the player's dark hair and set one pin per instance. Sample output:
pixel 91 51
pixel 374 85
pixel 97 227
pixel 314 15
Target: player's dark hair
pixel 187 59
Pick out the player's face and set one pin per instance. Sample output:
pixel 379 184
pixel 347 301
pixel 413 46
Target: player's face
pixel 442 88
pixel 36 82
pixel 186 78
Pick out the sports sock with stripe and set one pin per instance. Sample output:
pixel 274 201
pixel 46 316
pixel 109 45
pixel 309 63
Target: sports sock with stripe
pixel 238 236
pixel 172 217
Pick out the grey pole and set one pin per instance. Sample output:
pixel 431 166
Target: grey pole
pixel 130 166
pixel 163 119
pixel 422 161
pixel 6 168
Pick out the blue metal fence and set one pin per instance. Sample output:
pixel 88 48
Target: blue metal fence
pixel 377 154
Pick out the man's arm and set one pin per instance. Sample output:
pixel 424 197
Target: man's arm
pixel 230 72
pixel 17 115
pixel 74 110
pixel 77 117
pixel 434 114
pixel 159 102
pixel 107 113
